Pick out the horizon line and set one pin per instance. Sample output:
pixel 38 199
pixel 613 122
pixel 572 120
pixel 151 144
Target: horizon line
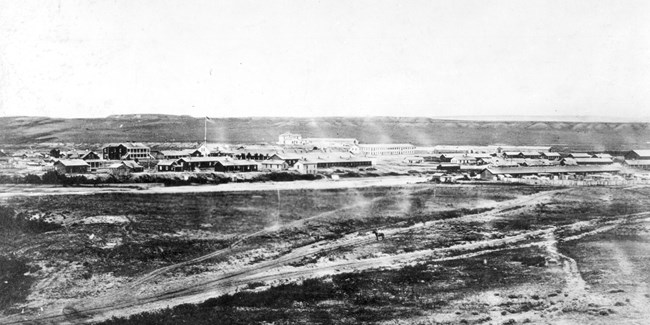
pixel 477 118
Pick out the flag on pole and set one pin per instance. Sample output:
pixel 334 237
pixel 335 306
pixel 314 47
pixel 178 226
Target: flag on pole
pixel 208 119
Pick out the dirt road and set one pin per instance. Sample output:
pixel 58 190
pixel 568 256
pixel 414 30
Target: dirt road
pixel 7 191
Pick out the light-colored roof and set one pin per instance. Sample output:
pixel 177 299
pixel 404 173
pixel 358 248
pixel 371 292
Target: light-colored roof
pixel 307 162
pixel 166 162
pixel 128 145
pixel 330 139
pixel 202 159
pixel 131 164
pixel 463 157
pixel 638 162
pixel 273 162
pixel 135 145
pixel 385 145
pixel 550 154
pixel 593 160
pixel 233 162
pixel 184 152
pixel 287 155
pixel 642 153
pixel 553 169
pixel 530 153
pixel 569 161
pixel 602 155
pixel 73 163
pixel 84 155
pixel 481 155
pixel 580 155
pixel 537 162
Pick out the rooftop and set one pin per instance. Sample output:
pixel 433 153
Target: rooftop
pixel 553 169
pixel 73 163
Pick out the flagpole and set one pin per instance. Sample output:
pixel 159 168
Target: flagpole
pixel 205 132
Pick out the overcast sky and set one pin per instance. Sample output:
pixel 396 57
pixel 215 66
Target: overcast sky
pixel 325 58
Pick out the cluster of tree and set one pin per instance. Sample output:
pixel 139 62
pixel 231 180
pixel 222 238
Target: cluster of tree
pixel 56 178
pixel 50 177
pixel 284 177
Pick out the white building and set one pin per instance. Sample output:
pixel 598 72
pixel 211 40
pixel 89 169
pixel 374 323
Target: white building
pixel 289 138
pixel 381 149
pixel 330 142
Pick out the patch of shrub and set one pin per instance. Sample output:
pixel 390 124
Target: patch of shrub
pixel 11 221
pixel 284 177
pixel 530 260
pixel 128 258
pixel 14 284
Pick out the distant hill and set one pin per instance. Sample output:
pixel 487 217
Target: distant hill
pixel 419 131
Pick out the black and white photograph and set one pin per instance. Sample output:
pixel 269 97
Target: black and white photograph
pixel 391 162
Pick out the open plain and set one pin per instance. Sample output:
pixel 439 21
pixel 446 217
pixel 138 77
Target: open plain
pixel 441 254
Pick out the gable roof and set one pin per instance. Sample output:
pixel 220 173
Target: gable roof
pixel 579 155
pixel 593 160
pixel 273 162
pixel 73 163
pixel 176 152
pixel 642 153
pixel 285 156
pixel 638 162
pixel 131 164
pixel 83 156
pixel 602 155
pixel 385 145
pixel 202 159
pixel 553 169
pixel 166 162
pixel 233 162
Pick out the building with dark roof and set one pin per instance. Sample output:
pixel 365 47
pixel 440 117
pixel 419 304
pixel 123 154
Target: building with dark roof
pixel 233 165
pixel 492 173
pixel 638 155
pixel 550 155
pixel 275 164
pixel 74 166
pixel 579 155
pixel 127 151
pixel 638 163
pixel 168 166
pixel 192 163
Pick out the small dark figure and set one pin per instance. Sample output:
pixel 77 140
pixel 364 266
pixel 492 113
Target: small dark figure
pixel 378 234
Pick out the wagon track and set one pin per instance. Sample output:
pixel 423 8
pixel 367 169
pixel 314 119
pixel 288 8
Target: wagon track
pixel 124 303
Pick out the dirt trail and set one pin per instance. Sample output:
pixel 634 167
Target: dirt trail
pixel 298 223
pixel 125 297
pixel 122 302
pixel 277 270
pixel 40 190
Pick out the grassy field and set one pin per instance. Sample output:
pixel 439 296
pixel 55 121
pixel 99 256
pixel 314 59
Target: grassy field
pixel 451 254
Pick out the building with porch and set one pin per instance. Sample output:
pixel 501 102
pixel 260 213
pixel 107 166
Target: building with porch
pixel 127 151
pixel 74 166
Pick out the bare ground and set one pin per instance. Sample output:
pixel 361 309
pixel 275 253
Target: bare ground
pixel 358 251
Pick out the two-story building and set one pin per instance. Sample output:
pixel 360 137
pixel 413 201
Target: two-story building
pixel 127 151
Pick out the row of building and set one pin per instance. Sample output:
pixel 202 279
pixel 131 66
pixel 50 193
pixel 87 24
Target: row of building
pixel 350 144
pixel 306 164
pixel 542 165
